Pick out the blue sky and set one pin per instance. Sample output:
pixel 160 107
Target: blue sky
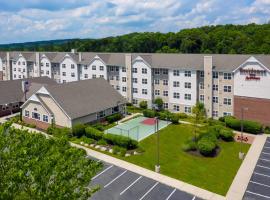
pixel 33 20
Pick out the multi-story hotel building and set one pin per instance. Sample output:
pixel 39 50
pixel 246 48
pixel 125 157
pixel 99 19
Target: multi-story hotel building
pixel 224 83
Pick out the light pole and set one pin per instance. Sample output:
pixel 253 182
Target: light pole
pixel 157 166
pixel 241 153
pixel 118 102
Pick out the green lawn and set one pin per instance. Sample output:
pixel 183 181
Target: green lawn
pixel 213 174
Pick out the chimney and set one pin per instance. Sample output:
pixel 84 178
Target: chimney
pixel 208 84
pixel 37 66
pixel 73 51
pixel 8 67
pixel 80 56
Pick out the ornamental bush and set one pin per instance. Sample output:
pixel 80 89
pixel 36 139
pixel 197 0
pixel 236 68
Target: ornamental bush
pixel 206 146
pixel 113 118
pixel 143 105
pixel 226 135
pixel 121 141
pixel 249 126
pixel 93 133
pixel 149 113
pixel 78 130
pixel 174 118
pixel 182 115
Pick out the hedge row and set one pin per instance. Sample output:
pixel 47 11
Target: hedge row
pixel 113 118
pixel 165 115
pixel 121 141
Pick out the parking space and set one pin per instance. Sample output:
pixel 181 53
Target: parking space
pixel 259 184
pixel 119 184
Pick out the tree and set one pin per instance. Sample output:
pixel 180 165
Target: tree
pixel 159 102
pixel 143 105
pixel 199 113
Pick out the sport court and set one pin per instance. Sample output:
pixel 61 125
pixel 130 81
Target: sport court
pixel 138 128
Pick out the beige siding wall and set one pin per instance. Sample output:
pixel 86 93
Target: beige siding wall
pixel 60 117
pixel 86 119
pixel 129 76
pixel 208 85
pixel 36 107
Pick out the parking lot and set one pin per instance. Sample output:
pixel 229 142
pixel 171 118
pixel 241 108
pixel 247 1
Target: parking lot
pixel 117 183
pixel 259 184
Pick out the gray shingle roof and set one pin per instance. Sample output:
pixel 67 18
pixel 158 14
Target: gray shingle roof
pixel 11 91
pixel 82 98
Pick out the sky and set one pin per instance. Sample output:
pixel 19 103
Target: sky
pixel 36 20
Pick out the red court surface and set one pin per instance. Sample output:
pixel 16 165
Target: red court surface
pixel 149 121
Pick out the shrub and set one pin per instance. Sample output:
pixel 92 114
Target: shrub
pixel 164 115
pixel 159 102
pixel 129 104
pixel 249 126
pixel 189 145
pixel 93 133
pixel 143 105
pixel 123 152
pixel 174 118
pixel 87 140
pixel 226 135
pixel 206 146
pixel 98 126
pixel 149 113
pixel 121 141
pixel 78 130
pixel 59 132
pixel 113 118
pixel 102 142
pixel 116 149
pixel 267 130
pixel 222 119
pixel 182 115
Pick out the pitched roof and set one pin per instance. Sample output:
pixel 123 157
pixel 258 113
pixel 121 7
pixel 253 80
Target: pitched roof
pixel 82 98
pixel 11 91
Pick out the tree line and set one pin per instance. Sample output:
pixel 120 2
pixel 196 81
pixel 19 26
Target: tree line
pixel 222 39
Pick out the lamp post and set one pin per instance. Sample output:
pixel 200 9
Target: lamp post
pixel 241 153
pixel 118 102
pixel 157 166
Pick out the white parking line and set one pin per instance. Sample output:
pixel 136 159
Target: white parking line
pixel 260 184
pixel 258 194
pixel 102 172
pixel 171 194
pixel 130 185
pixel 266 153
pixel 149 191
pixel 115 179
pixel 267 147
pixel 263 167
pixel 194 198
pixel 261 174
pixel 265 159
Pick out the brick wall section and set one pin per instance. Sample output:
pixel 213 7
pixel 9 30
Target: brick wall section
pixel 258 109
pixel 39 124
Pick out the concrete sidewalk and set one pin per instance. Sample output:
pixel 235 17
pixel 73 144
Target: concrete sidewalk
pixel 241 180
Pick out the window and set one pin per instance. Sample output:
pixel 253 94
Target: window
pixel 215 75
pixel 45 118
pixel 157 92
pixel 14 75
pixel 101 76
pixel 157 72
pixel 227 101
pixel 187 96
pixel 85 75
pixel 187 109
pixel 111 78
pixel 227 88
pixel 48 72
pixel 201 85
pixel 72 74
pixel 19 63
pixel 134 80
pixel 101 68
pixel 187 73
pixel 201 98
pixel 188 85
pixel 35 115
pixel 23 70
pixel 94 67
pixel 215 99
pixel 144 91
pixel 117 69
pixel 176 84
pixel 134 70
pixel 215 113
pixel 227 114
pixel 124 69
pixel 144 71
pixel 47 64
pixel 19 69
pixel 134 101
pixel 117 78
pixel 202 74
pixel 85 67
pixel 23 63
pixel 176 72
pixel 227 76
pixel 94 76
pixel 215 87
pixel 20 76
pixel 156 81
pixel 165 93
pixel 144 81
pixel 176 108
pixel 176 95
pixel 26 113
pixel 63 73
pixel 111 69
pixel 63 65
pixel 124 89
pixel 64 81
pixel 165 105
pixel 135 90
pixel 14 69
pixel 124 79
pixel 165 82
pixel 72 66
pixel 165 71
pixel 117 87
pixel 41 64
pixel 101 114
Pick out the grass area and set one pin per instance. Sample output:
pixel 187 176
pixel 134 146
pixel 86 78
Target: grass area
pixel 133 109
pixel 213 174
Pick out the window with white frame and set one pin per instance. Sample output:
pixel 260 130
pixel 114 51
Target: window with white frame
pixel 23 63
pixel 41 64
pixel 63 65
pixel 14 76
pixel 187 96
pixel 227 88
pixel 26 113
pixel 45 118
pixel 215 87
pixel 47 72
pixel 156 71
pixel 135 90
pixel 85 75
pixel 134 80
pixel 144 71
pixel 227 76
pixel 144 81
pixel 188 85
pixel 101 76
pixel 124 79
pixel 227 114
pixel 227 101
pixel 35 115
pixel 117 78
pixel 41 71
pixel 165 82
pixel 134 70
pixel 215 113
pixel 94 67
pixel 215 99
pixel 94 76
pixel 124 89
pixel 47 64
pixel 111 78
pixel 117 87
pixel 111 68
pixel 165 71
pixel 124 69
pixel 85 67
pixel 157 92
pixel 201 98
pixel 202 74
pixel 72 74
pixel 165 93
pixel 215 75
pixel 176 72
pixel 72 66
pixel 176 108
pixel 134 101
pixel 63 73
pixel 176 95
pixel 14 69
pixel 101 68
pixel 156 81
pixel 187 109
pixel 201 85
pixel 165 105
pixel 144 91
pixel 187 73
pixel 176 84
